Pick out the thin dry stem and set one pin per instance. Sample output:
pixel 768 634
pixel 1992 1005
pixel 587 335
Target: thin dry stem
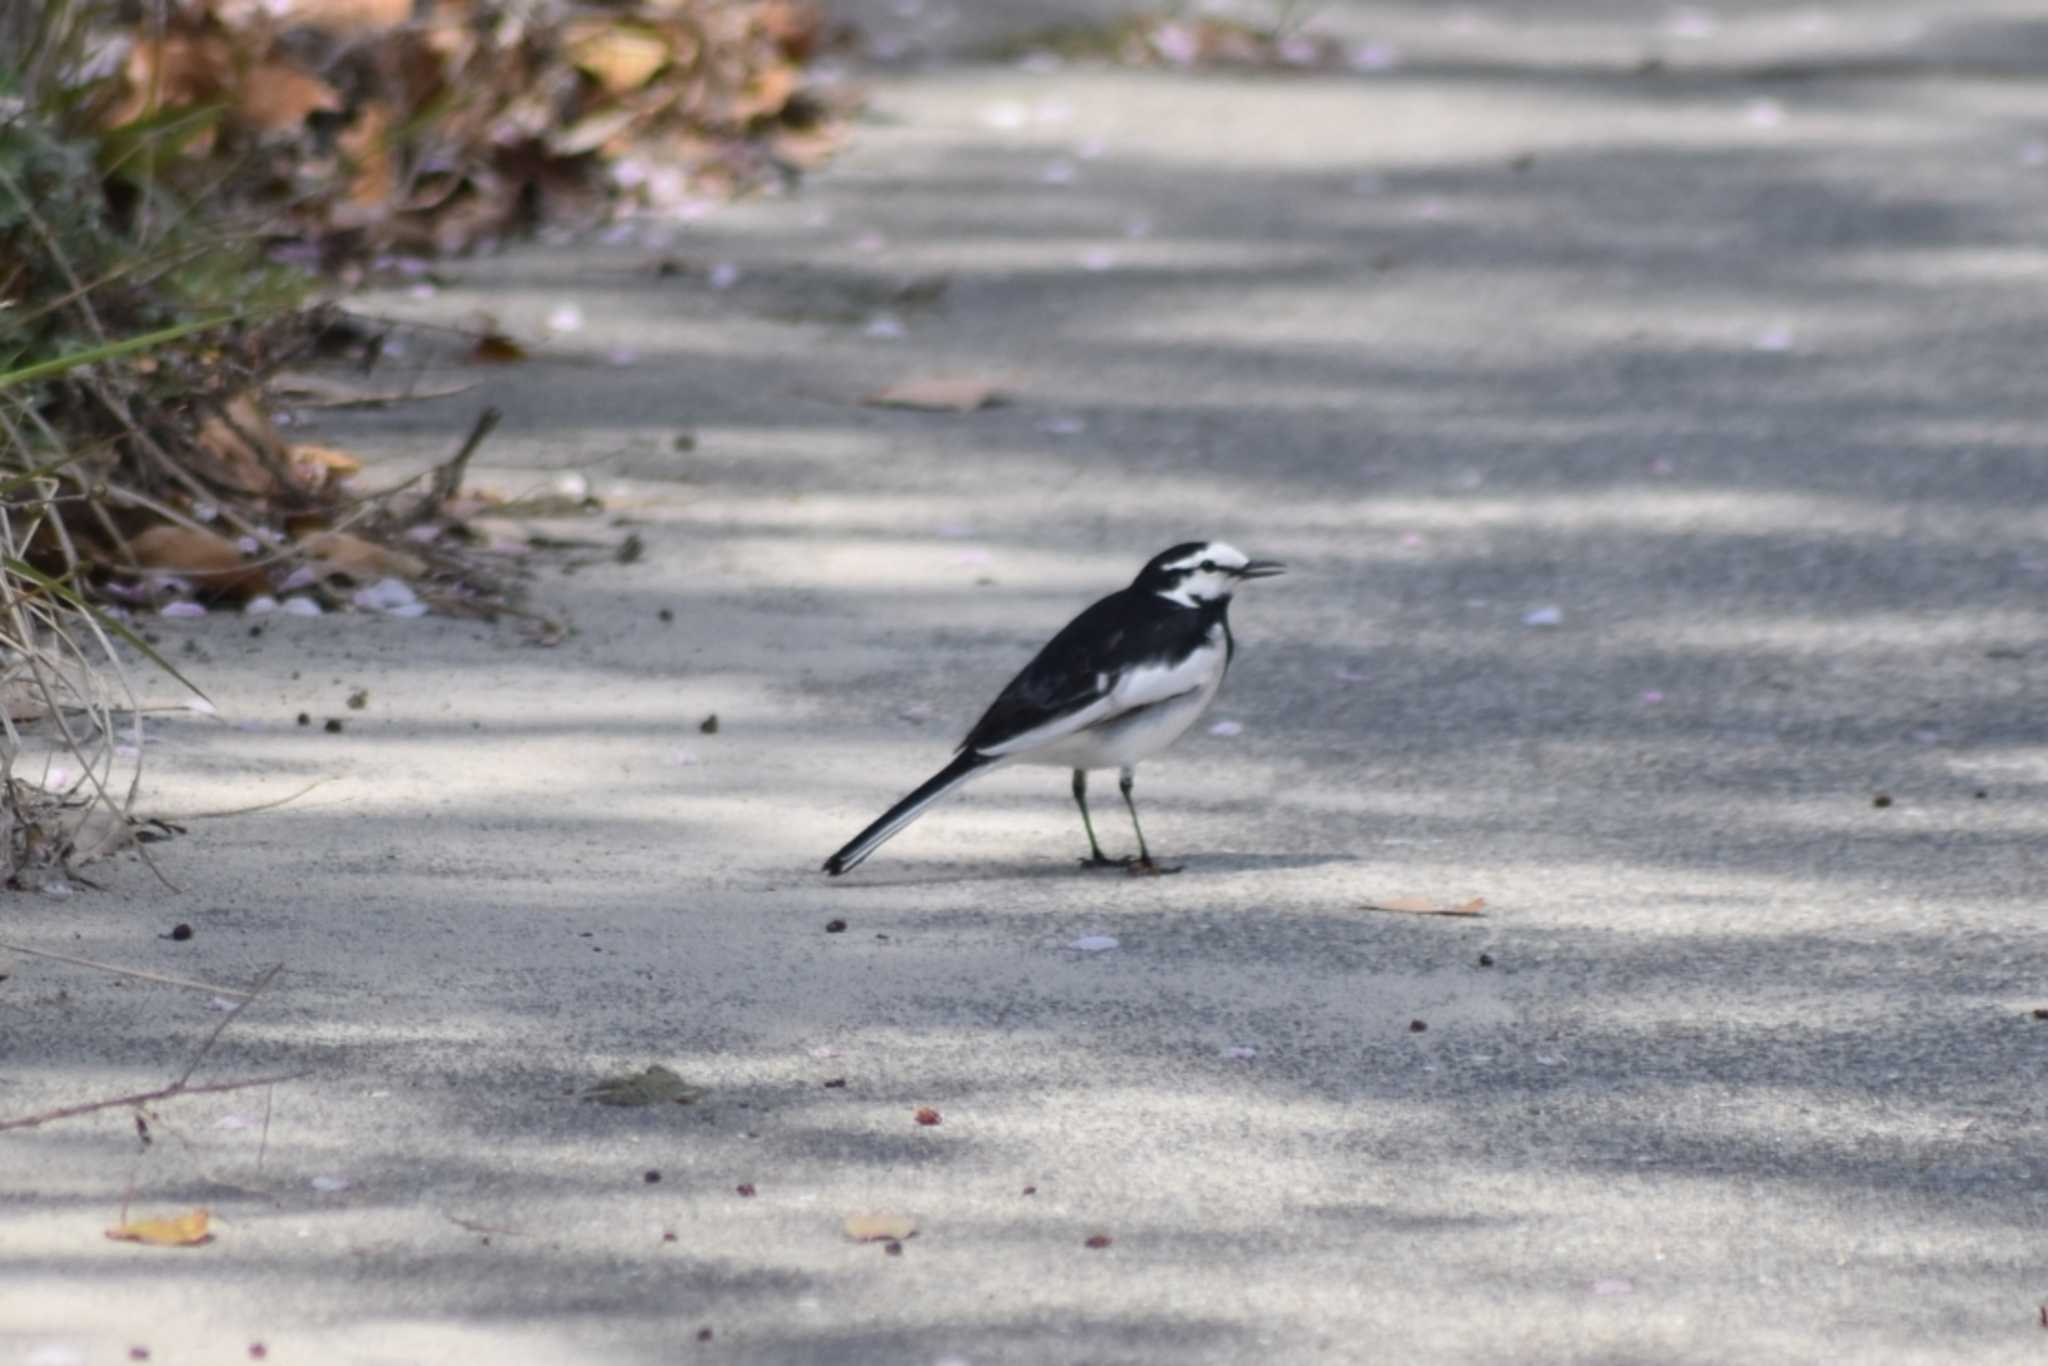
pixel 163 978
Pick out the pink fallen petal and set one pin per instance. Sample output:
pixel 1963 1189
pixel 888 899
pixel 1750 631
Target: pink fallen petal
pixel 1374 57
pixel 1690 23
pixel 1176 43
pixel 181 609
pixel 1778 338
pixel 1298 49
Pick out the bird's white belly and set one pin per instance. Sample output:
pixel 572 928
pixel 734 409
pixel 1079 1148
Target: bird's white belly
pixel 1124 740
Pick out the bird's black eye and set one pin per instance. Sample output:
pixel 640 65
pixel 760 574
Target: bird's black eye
pixel 1208 566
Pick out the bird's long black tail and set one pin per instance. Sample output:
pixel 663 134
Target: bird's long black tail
pixel 909 809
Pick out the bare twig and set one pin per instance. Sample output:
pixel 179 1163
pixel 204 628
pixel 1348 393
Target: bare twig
pixel 245 810
pixel 159 977
pixel 263 1146
pixel 1473 909
pixel 183 1085
pixel 225 1021
pixel 448 478
pixel 144 1097
pixel 206 1171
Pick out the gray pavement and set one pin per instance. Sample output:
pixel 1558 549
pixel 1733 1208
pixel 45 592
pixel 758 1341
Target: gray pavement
pixel 1729 369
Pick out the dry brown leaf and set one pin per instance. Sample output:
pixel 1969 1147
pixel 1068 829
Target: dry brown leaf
pixel 318 466
pixel 935 395
pixel 653 1085
pixel 245 443
pixel 880 1228
pixel 1419 905
pixel 184 1230
pixel 621 57
pixel 277 96
pixel 806 148
pixel 213 563
pixel 767 93
pixel 373 181
pixel 343 16
pixel 178 72
pixel 495 348
pixel 339 552
pixel 306 390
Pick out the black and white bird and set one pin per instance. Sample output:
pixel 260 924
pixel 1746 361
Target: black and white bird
pixel 1123 681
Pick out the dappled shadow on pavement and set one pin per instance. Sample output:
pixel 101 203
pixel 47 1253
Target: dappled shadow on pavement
pixel 1749 403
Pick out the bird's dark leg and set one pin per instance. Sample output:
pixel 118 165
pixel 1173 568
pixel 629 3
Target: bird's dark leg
pixel 1144 864
pixel 1095 857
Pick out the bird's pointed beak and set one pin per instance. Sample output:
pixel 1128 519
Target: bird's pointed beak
pixel 1262 569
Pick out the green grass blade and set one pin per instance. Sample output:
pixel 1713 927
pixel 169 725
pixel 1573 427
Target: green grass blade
pixel 57 365
pixel 76 603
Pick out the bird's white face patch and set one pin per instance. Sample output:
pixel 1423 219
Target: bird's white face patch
pixel 1206 575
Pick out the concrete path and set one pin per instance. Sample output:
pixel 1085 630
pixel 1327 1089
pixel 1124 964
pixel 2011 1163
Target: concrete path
pixel 1655 450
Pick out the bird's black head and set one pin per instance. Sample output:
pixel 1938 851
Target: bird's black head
pixel 1195 572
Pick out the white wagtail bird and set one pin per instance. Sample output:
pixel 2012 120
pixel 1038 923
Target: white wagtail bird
pixel 1119 684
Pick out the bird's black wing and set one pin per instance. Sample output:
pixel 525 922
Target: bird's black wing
pixel 1079 669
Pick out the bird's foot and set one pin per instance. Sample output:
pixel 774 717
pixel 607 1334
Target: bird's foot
pixel 1098 860
pixel 1145 867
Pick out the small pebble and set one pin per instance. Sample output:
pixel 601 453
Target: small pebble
pixel 333 726
pixel 651 1177
pixel 835 927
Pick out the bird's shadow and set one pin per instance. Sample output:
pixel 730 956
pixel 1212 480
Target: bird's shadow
pixel 1190 867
